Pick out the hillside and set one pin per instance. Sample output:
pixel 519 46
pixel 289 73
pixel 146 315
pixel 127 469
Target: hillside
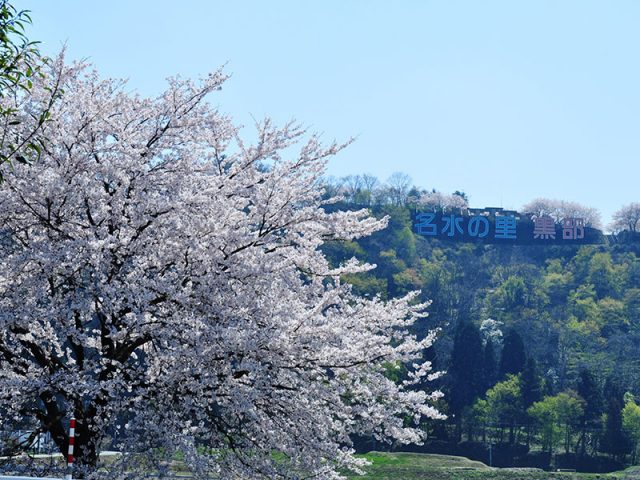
pixel 555 326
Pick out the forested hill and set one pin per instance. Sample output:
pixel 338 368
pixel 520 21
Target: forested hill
pixel 574 306
pixel 568 312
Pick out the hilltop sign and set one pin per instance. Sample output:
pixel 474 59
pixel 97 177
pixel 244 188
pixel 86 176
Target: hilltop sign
pixel 495 225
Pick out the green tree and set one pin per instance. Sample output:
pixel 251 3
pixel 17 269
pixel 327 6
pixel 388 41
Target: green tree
pixel 555 286
pixel 20 64
pixel 512 293
pixel 583 304
pixel 544 415
pixel 631 425
pixel 504 402
pixel 602 275
pixel 569 408
pixel 632 304
pixel 556 417
pixel 477 417
pixel 614 316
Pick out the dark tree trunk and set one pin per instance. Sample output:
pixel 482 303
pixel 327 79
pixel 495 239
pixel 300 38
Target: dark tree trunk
pixel 86 447
pixel 87 440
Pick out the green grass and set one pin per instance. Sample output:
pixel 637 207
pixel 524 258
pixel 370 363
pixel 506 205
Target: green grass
pixel 415 466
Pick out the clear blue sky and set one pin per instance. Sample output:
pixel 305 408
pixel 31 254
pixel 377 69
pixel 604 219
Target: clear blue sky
pixel 506 100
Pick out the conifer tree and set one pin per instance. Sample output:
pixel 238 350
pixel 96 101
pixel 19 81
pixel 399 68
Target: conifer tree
pixel 465 372
pixel 530 384
pixel 614 441
pixel 588 388
pixel 489 366
pixel 513 355
pixel 530 390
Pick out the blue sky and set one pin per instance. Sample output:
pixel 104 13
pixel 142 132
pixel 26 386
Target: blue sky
pixel 505 100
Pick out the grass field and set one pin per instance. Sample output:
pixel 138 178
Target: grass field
pixel 417 466
pixel 414 466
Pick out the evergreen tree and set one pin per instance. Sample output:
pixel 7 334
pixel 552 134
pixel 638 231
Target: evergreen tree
pixel 614 441
pixel 530 391
pixel 489 366
pixel 513 355
pixel 530 384
pixel 588 388
pixel 465 373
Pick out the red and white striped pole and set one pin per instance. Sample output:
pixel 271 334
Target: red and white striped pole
pixel 72 441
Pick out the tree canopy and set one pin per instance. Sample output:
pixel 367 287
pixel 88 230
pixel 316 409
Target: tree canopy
pixel 162 282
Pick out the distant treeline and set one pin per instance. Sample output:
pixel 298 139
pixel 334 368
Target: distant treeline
pixel 366 190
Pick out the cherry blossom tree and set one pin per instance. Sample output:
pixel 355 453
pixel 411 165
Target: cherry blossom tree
pixel 560 209
pixel 627 218
pixel 161 280
pixel 437 201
